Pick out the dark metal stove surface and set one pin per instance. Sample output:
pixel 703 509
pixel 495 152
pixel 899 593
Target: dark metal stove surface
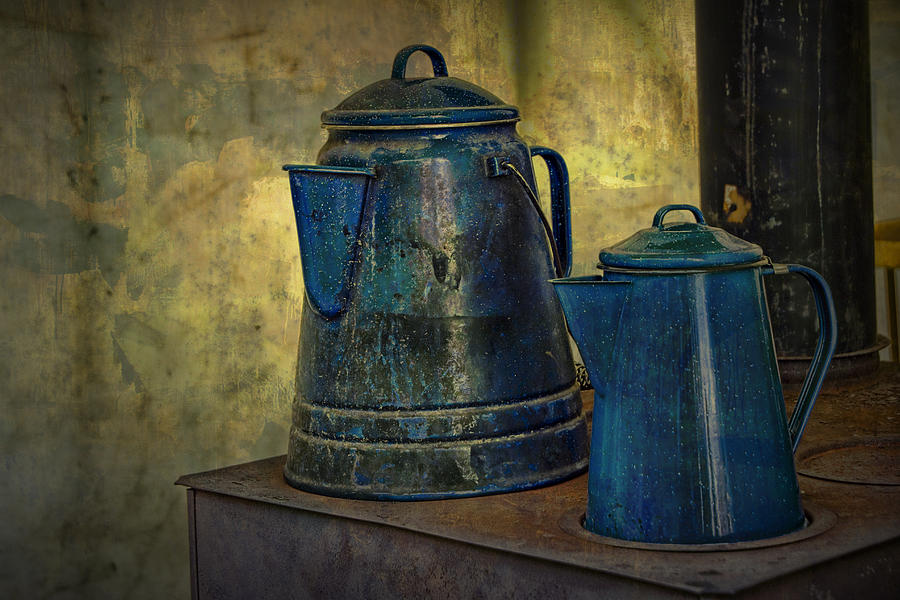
pixel 857 544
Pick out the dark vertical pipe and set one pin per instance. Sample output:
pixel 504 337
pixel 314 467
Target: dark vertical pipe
pixel 786 153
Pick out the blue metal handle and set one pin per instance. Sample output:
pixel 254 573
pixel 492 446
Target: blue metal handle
pixel 812 384
pixel 661 213
pixel 437 61
pixel 559 205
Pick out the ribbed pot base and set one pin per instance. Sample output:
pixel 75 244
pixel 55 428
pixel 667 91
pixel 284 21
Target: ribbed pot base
pixel 346 466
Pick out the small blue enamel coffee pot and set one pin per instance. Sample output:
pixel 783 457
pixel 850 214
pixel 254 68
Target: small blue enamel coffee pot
pixel 690 441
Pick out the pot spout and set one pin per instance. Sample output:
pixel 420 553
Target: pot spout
pixel 329 203
pixel 592 307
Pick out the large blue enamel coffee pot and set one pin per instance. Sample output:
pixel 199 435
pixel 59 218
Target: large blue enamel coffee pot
pixel 690 442
pixel 434 359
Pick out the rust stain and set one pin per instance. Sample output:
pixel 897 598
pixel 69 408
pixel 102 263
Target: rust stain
pixel 55 22
pixel 736 206
pixel 241 34
pixel 75 119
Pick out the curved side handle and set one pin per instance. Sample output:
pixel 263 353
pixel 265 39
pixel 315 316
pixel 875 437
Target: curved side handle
pixel 560 211
pixel 437 61
pixel 824 347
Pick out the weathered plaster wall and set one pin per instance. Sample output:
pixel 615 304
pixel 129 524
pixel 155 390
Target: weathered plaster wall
pixel 148 258
pixel 612 85
pixel 884 33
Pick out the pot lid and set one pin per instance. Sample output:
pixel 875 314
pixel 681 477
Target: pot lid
pixel 419 102
pixel 680 245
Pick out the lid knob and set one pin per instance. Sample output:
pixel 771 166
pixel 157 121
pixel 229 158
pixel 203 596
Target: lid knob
pixel 419 102
pixel 680 246
pixel 661 213
pixel 437 61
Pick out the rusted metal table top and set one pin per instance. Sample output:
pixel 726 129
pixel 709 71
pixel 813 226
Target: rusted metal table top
pixel 852 437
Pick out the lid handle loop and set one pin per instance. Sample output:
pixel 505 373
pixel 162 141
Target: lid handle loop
pixel 437 61
pixel 658 217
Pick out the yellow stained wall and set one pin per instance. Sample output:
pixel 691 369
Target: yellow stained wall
pixel 148 256
pixel 612 85
pixel 150 268
pixel 884 33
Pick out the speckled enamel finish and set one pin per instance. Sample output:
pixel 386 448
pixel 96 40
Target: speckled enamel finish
pixel 434 359
pixel 690 442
